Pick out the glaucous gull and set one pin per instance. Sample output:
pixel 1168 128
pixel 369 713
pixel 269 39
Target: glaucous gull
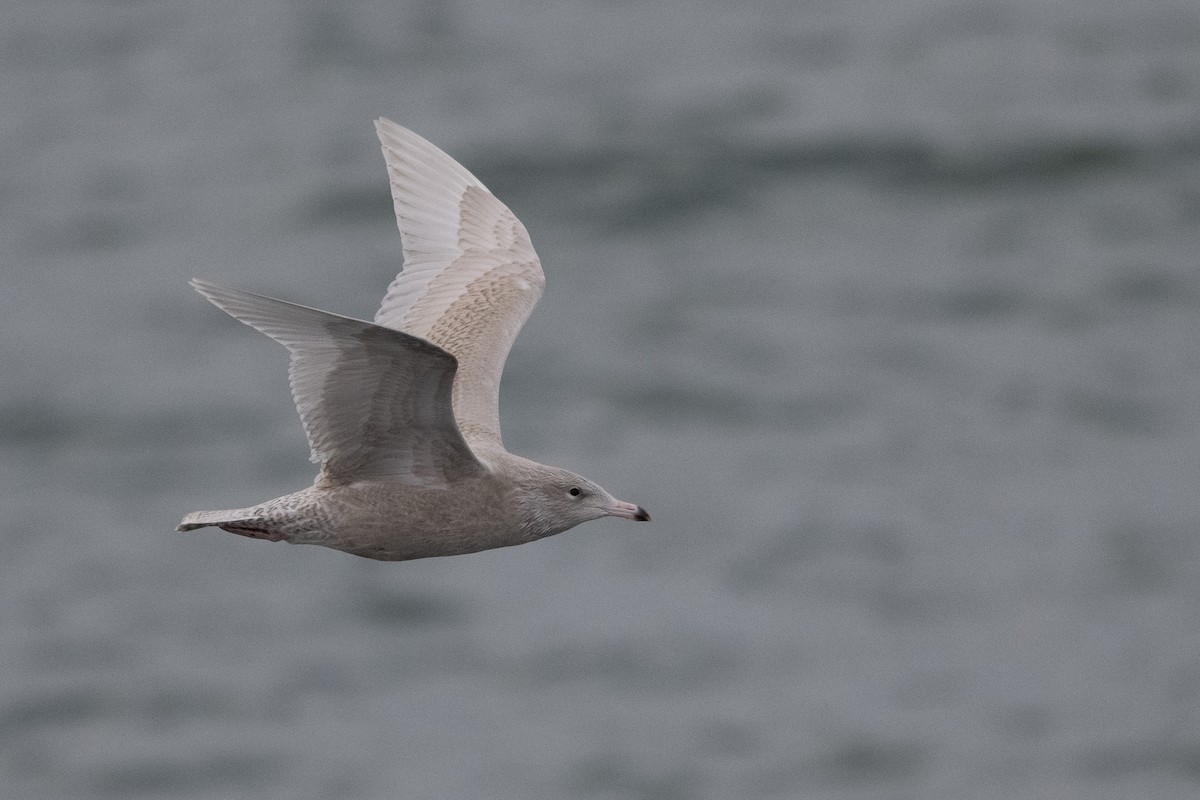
pixel 402 413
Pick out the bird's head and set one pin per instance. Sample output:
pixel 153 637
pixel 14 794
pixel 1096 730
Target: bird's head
pixel 555 500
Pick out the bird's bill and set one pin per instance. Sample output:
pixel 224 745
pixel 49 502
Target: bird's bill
pixel 620 508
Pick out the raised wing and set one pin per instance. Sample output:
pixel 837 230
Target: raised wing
pixel 375 402
pixel 470 277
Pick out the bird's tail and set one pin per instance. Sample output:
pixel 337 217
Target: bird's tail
pixel 234 516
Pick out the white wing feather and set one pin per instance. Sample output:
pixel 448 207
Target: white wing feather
pixel 470 278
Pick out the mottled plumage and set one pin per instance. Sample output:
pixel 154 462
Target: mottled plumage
pixel 402 413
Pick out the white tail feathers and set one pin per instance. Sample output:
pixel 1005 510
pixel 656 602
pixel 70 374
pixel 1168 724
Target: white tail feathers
pixel 205 519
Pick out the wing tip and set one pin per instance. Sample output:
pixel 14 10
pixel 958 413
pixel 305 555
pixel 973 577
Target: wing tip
pixel 392 133
pixel 223 297
pixel 206 288
pixel 404 147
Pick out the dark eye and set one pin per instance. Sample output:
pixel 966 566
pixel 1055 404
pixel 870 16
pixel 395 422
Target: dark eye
pixel 575 491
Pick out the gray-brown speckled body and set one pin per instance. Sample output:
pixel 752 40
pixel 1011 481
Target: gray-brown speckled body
pixel 393 522
pixel 514 502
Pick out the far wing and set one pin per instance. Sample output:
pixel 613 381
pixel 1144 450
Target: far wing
pixel 470 277
pixel 375 402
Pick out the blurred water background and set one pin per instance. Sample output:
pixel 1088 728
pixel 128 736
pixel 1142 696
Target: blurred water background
pixel 888 313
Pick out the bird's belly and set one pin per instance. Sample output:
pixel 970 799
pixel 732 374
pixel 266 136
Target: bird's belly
pixel 401 523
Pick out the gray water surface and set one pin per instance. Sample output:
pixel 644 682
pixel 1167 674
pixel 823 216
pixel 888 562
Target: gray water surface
pixel 888 313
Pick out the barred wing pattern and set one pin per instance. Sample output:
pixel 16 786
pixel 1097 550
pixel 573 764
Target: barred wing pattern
pixel 470 278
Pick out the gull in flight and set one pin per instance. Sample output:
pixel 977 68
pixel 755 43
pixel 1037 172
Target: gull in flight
pixel 402 413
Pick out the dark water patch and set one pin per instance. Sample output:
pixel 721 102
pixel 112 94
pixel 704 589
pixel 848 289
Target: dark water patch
pixel 677 402
pixel 806 49
pixel 398 608
pixel 615 775
pixel 858 762
pixel 11 191
pixel 869 760
pixel 302 680
pixel 370 39
pixel 932 689
pixel 1115 413
pixel 984 302
pixel 525 171
pixel 89 231
pixel 725 738
pixel 342 206
pixel 978 303
pixel 168 424
pixel 675 198
pixel 120 211
pixel 922 32
pixel 178 704
pixel 897 158
pixel 1141 557
pixel 1044 162
pixel 670 663
pixel 774 559
pixel 217 772
pixel 1115 762
pixel 122 452
pixel 54 710
pixel 99 38
pixel 1189 214
pixel 1124 223
pixel 1034 161
pixel 110 184
pixel 1025 722
pixel 1134 31
pixel 908 358
pixel 327 37
pixel 1148 286
pixel 97 652
pixel 897 602
pixel 1186 759
pixel 683 404
pixel 1167 84
pixel 29 421
pixel 884 156
pixel 997 303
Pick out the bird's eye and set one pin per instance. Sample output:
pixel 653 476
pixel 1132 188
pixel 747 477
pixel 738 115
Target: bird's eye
pixel 575 491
